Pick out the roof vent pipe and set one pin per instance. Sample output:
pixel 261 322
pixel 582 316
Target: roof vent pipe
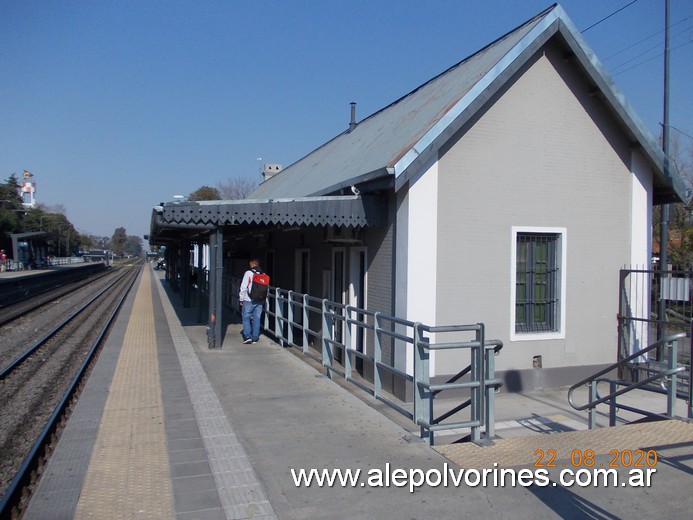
pixel 352 123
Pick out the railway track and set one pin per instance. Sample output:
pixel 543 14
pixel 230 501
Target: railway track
pixel 28 305
pixel 40 379
pixel 35 318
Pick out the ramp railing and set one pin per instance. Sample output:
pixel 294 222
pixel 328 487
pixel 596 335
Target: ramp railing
pixel 360 345
pixel 667 376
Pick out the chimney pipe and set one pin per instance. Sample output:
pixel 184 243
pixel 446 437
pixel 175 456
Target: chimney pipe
pixel 352 123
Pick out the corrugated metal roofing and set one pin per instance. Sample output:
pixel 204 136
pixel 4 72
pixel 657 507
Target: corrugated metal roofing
pixel 388 142
pixel 350 211
pixel 380 140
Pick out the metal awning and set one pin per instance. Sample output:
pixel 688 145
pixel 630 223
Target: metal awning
pixel 189 218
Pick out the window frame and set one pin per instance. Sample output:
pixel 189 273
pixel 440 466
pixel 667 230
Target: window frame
pixel 560 289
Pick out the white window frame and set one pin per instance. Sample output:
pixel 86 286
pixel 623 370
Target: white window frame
pixel 562 262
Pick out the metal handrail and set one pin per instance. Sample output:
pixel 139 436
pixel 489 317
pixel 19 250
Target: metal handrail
pixel 631 386
pixel 482 383
pixel 592 381
pixel 494 344
pixel 284 307
pixel 616 365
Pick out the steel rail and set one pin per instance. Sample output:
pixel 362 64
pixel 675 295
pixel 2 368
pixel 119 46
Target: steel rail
pixel 14 491
pixel 22 357
pixel 9 313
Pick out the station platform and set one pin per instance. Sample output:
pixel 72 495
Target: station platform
pixel 28 273
pixel 18 285
pixel 166 428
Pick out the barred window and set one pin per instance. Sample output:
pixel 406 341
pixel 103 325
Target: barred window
pixel 537 282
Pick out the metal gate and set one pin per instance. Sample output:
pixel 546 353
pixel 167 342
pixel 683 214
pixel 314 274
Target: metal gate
pixel 653 304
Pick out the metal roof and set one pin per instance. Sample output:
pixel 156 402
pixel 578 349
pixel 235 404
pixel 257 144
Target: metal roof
pixel 407 132
pixel 29 234
pixel 174 218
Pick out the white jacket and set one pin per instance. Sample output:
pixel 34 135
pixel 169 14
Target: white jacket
pixel 245 286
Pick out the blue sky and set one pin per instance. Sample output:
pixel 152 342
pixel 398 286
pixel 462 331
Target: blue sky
pixel 115 106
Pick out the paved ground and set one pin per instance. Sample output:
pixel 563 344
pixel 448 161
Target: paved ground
pixel 292 416
pixel 238 420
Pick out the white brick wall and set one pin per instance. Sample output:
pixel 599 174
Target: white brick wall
pixel 545 154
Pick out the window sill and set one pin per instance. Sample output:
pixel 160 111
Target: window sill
pixel 536 336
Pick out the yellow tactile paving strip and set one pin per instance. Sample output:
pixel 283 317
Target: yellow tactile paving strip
pixel 521 451
pixel 128 475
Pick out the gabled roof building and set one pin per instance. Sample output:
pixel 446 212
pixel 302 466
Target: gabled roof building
pixel 509 190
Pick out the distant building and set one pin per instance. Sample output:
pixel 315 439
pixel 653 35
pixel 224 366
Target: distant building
pixel 28 190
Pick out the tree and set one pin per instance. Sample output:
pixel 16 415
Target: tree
pixel 85 242
pixel 133 246
pixel 680 240
pixel 11 209
pixel 236 188
pixel 61 234
pixel 204 193
pixel 55 208
pixel 62 237
pixel 119 240
pixel 99 242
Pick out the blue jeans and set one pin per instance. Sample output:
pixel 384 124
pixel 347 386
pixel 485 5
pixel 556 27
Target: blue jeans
pixel 251 313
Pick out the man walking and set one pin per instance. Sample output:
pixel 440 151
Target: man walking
pixel 252 299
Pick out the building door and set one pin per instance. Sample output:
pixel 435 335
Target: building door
pixel 357 297
pixel 268 266
pixel 302 273
pixel 302 286
pixel 338 293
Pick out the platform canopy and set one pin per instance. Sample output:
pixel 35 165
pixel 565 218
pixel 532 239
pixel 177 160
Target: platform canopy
pixel 176 220
pixel 18 238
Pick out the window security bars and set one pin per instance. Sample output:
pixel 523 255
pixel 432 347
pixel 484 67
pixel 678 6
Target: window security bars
pixel 537 282
pixel 342 351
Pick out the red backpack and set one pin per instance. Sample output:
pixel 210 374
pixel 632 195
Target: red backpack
pixel 259 284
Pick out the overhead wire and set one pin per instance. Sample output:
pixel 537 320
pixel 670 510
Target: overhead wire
pixel 681 131
pixel 648 59
pixel 615 70
pixel 643 40
pixel 608 16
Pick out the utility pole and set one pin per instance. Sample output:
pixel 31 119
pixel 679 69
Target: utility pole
pixel 664 224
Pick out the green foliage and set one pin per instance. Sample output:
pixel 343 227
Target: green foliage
pixel 680 239
pixel 204 193
pixel 9 191
pixel 133 246
pixel 119 241
pixel 62 239
pixel 11 209
pixel 97 242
